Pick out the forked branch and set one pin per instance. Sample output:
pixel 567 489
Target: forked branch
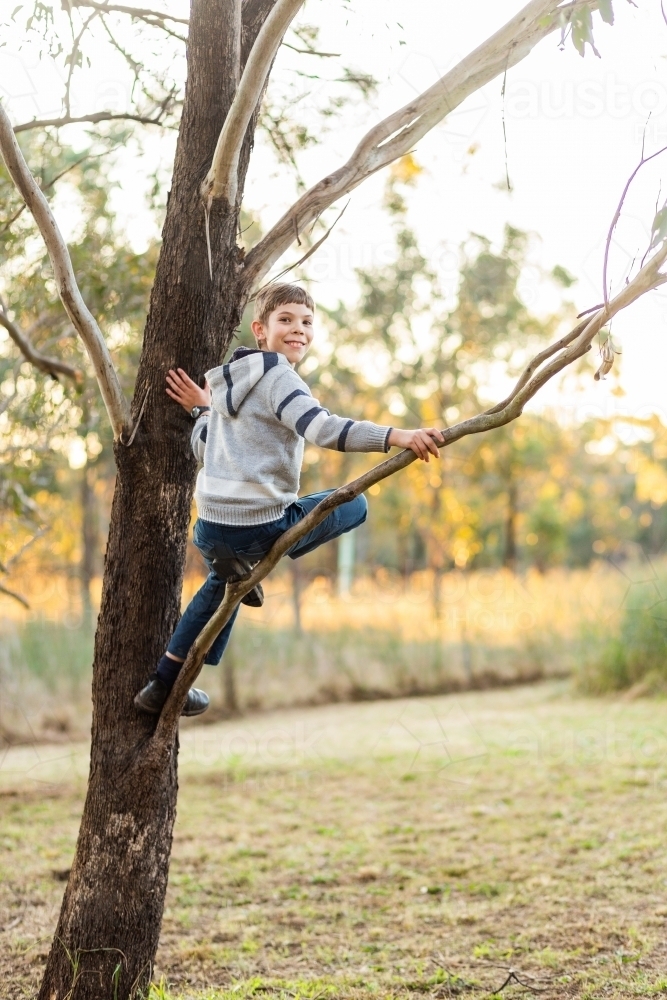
pixel 536 374
pixel 82 319
pixel 50 366
pixel 222 179
pixel 397 134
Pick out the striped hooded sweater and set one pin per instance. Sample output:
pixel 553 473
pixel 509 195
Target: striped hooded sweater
pixel 251 443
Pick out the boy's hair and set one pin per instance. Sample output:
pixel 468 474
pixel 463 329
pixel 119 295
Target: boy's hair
pixel 274 296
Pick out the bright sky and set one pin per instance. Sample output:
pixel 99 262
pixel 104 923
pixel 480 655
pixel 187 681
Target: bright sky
pixel 574 134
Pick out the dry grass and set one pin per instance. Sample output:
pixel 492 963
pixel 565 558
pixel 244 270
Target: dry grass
pixel 318 853
pixel 382 640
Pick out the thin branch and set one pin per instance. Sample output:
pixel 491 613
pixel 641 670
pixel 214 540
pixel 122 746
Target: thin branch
pixel 73 58
pixel 577 343
pixel 539 360
pixel 17 597
pixel 617 215
pixel 312 52
pixel 93 119
pixel 24 548
pixel 45 187
pixel 397 134
pixel 222 180
pixel 81 317
pixel 50 366
pixel 309 253
pixel 133 11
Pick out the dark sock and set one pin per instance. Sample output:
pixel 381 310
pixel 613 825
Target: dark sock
pixel 168 670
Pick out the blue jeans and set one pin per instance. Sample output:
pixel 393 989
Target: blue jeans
pixel 253 543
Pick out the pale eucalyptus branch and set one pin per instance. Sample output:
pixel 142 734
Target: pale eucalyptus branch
pixel 563 353
pixel 397 134
pixel 50 366
pixel 82 319
pixel 222 178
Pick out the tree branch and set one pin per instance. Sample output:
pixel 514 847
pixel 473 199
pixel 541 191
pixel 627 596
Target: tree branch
pixel 17 597
pixel 221 180
pixel 133 11
pixel 397 134
pixel 51 366
pixel 617 215
pixel 577 343
pixel 81 317
pixel 94 119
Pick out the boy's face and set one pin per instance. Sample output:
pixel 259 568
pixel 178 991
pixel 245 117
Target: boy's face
pixel 288 331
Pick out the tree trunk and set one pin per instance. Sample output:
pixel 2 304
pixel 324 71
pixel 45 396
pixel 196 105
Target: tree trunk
pixel 510 555
pixel 107 934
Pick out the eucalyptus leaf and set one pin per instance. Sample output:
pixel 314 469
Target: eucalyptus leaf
pixel 606 9
pixel 659 227
pixel 582 31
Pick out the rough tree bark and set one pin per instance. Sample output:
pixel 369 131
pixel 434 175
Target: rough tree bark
pixel 109 924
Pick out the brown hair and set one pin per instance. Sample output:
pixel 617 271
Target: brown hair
pixel 274 296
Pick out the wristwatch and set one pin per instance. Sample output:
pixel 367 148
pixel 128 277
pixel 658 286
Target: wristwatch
pixel 197 411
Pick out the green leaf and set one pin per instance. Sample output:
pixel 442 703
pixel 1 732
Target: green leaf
pixel 16 10
pixel 582 31
pixel 659 227
pixel 606 11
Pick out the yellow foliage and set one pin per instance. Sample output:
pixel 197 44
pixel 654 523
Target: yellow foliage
pixel 406 170
pixel 651 482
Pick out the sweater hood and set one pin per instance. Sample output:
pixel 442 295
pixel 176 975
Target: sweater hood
pixel 231 383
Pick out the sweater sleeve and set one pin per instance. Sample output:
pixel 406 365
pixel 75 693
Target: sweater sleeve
pixel 295 406
pixel 198 436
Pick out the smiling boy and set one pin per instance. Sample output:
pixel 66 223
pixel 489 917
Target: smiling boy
pixel 251 420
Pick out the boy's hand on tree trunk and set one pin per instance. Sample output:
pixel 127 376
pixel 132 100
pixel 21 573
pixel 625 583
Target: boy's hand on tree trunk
pixel 183 390
pixel 422 441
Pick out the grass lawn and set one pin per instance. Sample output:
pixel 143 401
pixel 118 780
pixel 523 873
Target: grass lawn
pixel 424 846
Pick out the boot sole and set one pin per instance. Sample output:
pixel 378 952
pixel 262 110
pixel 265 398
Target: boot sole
pixel 156 711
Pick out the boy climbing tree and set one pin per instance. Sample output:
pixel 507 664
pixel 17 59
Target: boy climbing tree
pixel 251 420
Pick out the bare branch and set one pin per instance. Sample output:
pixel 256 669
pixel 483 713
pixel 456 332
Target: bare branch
pixel 313 249
pixel 577 343
pixel 6 568
pixel 51 366
pixel 93 119
pixel 312 52
pixel 73 58
pixel 45 187
pixel 397 134
pixel 617 215
pixel 17 597
pixel 221 180
pixel 140 12
pixel 81 317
